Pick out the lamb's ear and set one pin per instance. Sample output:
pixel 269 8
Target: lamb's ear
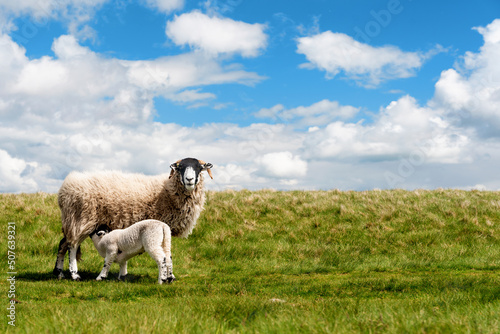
pixel 208 167
pixel 101 233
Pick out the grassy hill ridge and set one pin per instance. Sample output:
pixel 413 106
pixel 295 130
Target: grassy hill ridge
pixel 272 261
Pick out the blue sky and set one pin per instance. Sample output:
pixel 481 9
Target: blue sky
pixel 276 94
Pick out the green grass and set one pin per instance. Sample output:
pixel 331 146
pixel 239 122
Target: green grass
pixel 278 262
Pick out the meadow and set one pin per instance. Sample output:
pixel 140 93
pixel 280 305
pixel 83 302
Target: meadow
pixel 276 262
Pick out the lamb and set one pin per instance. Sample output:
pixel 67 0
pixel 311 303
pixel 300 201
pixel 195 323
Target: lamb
pixel 119 200
pixel 152 236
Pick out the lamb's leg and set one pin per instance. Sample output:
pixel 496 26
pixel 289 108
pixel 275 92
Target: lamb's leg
pixel 162 269
pixel 110 258
pixel 73 267
pixel 166 244
pixel 123 270
pixel 61 252
pixel 165 273
pixel 159 256
pixel 170 269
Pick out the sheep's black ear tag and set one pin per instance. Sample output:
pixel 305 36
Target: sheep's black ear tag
pixel 208 165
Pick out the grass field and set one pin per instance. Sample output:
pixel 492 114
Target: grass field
pixel 277 262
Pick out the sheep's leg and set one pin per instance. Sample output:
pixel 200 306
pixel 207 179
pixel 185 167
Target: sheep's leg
pixel 123 270
pixel 110 258
pixel 61 252
pixel 73 267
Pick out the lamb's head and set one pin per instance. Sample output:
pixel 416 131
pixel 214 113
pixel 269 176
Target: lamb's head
pixel 98 233
pixel 189 170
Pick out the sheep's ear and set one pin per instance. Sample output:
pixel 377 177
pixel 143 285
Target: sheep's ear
pixel 174 168
pixel 208 167
pixel 101 233
pixel 172 171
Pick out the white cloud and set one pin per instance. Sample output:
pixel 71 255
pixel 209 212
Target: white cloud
pixel 14 176
pixel 470 93
pixel 12 60
pixel 191 95
pixel 283 165
pixel 74 13
pixel 216 35
pixel 400 128
pixel 41 77
pixel 35 8
pixel 165 6
pixel 67 47
pixel 271 113
pixel 192 69
pixel 491 33
pixel 71 76
pixel 233 176
pixel 369 66
pixel 319 113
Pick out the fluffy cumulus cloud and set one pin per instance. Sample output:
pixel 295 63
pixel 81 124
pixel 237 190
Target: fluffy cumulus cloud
pixel 282 165
pixel 10 174
pixel 470 94
pixel 216 35
pixel 18 175
pixel 336 52
pixel 401 128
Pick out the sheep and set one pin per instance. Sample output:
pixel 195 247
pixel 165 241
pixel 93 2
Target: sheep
pixel 119 200
pixel 152 236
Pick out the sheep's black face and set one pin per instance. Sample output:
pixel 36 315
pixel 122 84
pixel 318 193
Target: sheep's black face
pixel 189 170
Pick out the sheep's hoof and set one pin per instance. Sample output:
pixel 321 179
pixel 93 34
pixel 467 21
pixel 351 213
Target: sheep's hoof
pixel 99 278
pixel 167 280
pixel 59 273
pixel 76 277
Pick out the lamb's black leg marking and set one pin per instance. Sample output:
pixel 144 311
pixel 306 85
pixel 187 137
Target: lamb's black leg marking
pixel 163 271
pixel 168 271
